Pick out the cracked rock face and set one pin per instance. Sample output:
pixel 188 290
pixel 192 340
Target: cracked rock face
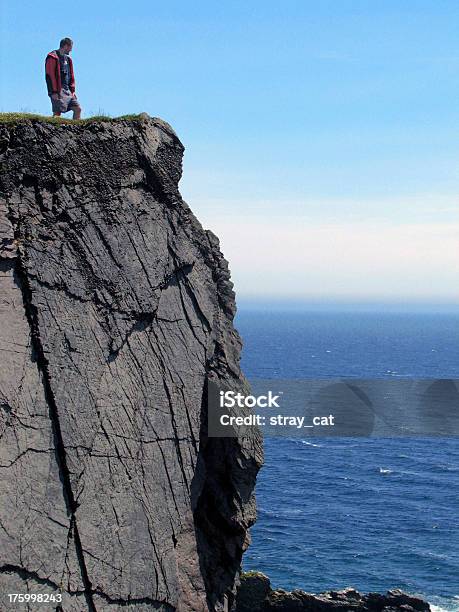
pixel 115 307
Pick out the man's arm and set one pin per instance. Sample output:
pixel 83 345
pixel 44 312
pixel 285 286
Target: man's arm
pixel 72 77
pixel 50 75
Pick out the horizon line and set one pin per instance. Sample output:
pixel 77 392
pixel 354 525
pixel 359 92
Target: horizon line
pixel 295 302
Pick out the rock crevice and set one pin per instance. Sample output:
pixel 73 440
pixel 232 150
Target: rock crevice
pixel 38 356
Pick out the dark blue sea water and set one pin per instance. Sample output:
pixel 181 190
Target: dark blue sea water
pixel 364 512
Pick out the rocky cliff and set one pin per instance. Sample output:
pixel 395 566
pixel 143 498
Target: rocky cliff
pixel 115 307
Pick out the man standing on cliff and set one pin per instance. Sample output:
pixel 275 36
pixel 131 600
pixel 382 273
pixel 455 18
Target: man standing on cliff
pixel 60 80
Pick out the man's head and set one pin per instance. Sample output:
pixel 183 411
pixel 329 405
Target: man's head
pixel 65 46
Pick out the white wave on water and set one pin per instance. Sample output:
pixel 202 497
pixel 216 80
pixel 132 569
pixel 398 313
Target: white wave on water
pixel 311 444
pixel 450 608
pixel 385 471
pixel 444 604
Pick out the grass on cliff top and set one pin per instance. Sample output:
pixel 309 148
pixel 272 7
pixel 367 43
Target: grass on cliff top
pixel 251 574
pixel 12 118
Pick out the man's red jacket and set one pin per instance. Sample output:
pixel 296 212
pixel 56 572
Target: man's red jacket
pixel 53 73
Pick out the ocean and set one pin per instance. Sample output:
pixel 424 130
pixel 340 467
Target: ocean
pixel 372 513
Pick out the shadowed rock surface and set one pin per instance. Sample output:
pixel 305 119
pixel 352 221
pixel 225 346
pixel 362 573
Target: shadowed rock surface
pixel 115 306
pixel 255 595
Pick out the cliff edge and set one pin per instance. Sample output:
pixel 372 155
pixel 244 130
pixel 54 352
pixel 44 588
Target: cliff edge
pixel 116 306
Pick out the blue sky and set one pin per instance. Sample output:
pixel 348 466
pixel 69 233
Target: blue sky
pixel 321 136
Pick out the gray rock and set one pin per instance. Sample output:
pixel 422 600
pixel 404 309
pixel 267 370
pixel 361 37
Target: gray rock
pixel 256 595
pixel 116 307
